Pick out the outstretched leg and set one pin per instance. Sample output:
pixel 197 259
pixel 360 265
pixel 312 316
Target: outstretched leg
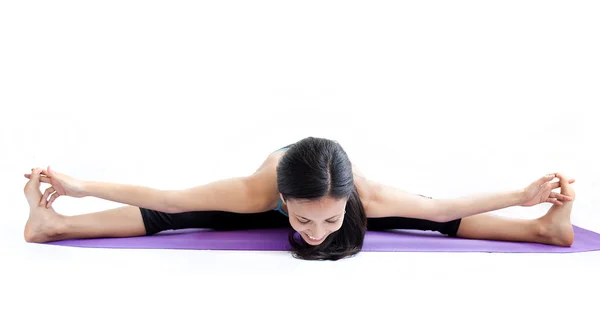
pixel 45 224
pixel 553 228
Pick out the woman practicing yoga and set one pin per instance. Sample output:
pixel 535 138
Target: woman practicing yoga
pixel 310 185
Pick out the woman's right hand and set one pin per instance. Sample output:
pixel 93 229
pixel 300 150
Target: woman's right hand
pixel 62 185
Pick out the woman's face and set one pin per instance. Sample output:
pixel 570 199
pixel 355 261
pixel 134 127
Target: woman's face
pixel 315 220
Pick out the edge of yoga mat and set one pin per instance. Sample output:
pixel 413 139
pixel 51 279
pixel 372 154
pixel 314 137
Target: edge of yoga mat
pixel 277 240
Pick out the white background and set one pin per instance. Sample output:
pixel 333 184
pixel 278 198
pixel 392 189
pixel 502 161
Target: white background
pixel 443 98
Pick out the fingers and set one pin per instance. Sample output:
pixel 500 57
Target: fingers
pixel 546 178
pixel 52 199
pixel 49 193
pixel 555 201
pixel 42 171
pixel 560 197
pixel 43 179
pixel 563 180
pixel 555 185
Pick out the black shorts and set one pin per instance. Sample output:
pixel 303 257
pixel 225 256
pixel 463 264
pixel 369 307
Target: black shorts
pixel 156 221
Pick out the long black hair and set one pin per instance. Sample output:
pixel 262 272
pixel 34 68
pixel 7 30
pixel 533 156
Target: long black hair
pixel 313 168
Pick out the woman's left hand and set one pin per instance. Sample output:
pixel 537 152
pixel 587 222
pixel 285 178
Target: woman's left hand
pixel 540 191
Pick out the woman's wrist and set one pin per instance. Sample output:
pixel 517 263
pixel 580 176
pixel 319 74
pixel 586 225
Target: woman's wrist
pixel 520 197
pixel 87 188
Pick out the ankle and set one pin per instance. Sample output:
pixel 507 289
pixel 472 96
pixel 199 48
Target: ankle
pixel 46 231
pixel 59 227
pixel 555 233
pixel 541 229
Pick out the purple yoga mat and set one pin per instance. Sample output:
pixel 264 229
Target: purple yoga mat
pixel 277 240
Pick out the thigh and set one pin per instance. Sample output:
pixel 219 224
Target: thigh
pixel 389 223
pixel 156 221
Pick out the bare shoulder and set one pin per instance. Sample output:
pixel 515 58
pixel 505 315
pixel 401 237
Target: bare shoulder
pixel 365 187
pixel 383 200
pixel 264 180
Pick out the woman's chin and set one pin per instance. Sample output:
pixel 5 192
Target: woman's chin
pixel 310 241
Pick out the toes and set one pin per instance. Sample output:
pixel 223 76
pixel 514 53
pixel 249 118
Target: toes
pixel 565 186
pixel 36 174
pixel 32 188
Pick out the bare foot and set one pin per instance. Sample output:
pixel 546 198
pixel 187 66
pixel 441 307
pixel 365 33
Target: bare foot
pixel 556 223
pixel 43 223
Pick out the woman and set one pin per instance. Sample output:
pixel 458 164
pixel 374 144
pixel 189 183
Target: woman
pixel 311 185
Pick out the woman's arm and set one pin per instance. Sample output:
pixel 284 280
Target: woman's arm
pixel 237 194
pixel 134 195
pixel 241 194
pixel 247 194
pixel 388 201
pixel 455 208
